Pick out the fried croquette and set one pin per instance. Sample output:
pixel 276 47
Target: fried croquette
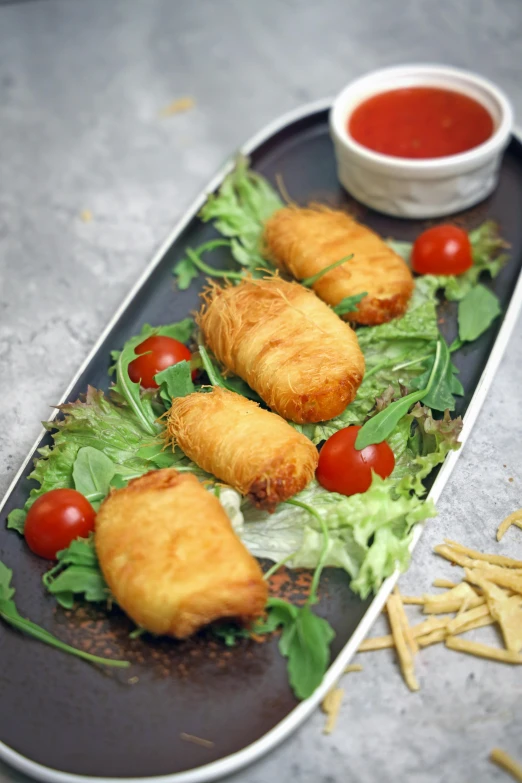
pixel 303 241
pixel 170 557
pixel 291 348
pixel 255 451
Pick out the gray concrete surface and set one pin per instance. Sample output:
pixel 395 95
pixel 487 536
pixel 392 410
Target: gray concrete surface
pixel 82 85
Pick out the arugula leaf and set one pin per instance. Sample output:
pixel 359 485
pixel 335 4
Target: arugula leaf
pixel 309 281
pixel 349 304
pixel 305 641
pixel 229 633
pixel 185 272
pixel 10 615
pixel 16 520
pixel 380 426
pixel 77 572
pixel 232 383
pixel 140 404
pixel 437 386
pixel 477 311
pixel 159 455
pixel 308 652
pixel 175 381
pixel 444 384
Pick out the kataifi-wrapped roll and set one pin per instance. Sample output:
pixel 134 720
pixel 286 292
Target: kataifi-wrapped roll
pixel 304 241
pixel 288 345
pixel 255 451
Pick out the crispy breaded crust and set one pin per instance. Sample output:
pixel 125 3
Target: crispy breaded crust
pixel 255 451
pixel 290 347
pixel 303 241
pixel 171 558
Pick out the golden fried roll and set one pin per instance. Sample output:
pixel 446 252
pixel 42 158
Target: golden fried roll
pixel 171 558
pixel 290 347
pixel 305 241
pixel 255 451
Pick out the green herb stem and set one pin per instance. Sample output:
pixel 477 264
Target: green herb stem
pixel 31 629
pixel 312 598
pixel 309 281
pixel 214 378
pixel 94 497
pixel 412 363
pixel 208 270
pixel 272 570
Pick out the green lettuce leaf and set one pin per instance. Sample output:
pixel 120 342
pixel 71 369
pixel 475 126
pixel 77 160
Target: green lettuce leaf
pixel 175 381
pixel 353 524
pixel 349 304
pixel 240 209
pixel 91 422
pixel 426 445
pixel 238 212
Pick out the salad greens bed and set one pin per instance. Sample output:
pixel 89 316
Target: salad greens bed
pixel 102 441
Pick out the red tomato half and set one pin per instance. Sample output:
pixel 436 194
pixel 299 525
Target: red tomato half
pixel 159 353
pixel 57 518
pixel 342 468
pixel 442 250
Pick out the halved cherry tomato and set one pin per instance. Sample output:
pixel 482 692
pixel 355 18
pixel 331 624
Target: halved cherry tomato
pixel 442 250
pixel 342 468
pixel 57 518
pixel 158 354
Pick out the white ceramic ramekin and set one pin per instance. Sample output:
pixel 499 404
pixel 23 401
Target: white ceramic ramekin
pixel 418 188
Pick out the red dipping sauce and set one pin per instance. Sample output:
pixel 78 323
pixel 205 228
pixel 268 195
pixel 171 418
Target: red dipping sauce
pixel 420 122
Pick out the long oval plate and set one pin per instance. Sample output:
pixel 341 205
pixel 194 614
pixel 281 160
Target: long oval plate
pixel 63 720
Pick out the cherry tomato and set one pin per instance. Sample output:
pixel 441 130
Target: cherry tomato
pixel 442 250
pixel 342 468
pixel 159 353
pixel 55 519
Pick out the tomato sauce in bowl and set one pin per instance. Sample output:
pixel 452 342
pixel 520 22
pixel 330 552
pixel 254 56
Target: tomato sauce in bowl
pixel 420 122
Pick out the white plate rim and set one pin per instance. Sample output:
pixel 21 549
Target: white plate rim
pixel 236 761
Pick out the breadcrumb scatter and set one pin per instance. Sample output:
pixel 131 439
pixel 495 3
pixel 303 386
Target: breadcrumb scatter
pixel 178 106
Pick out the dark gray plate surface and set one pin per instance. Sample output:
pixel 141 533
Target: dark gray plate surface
pixel 68 715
